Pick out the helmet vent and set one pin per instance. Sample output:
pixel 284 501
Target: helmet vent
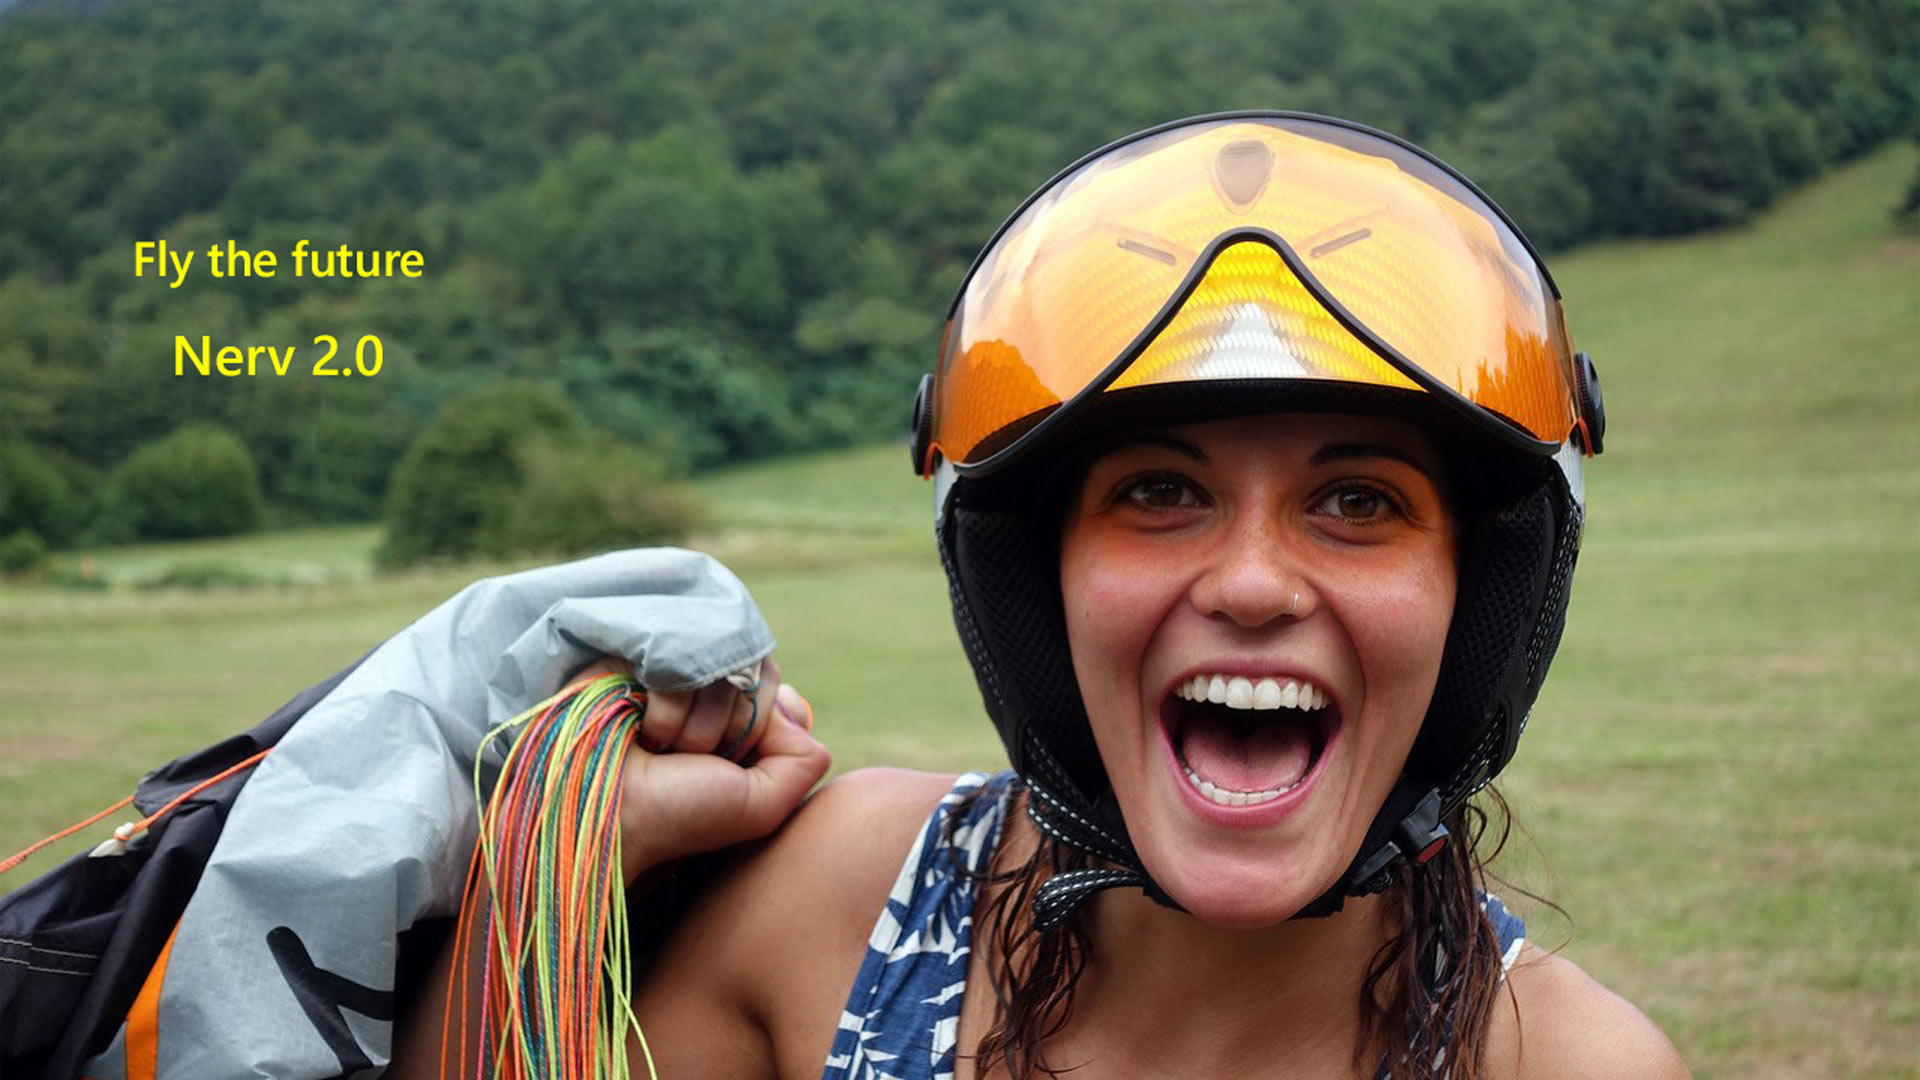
pixel 1149 251
pixel 1339 242
pixel 1242 170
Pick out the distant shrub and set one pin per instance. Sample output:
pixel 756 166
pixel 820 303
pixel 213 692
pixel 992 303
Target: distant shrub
pixel 451 491
pixel 210 575
pixel 22 552
pixel 1907 212
pixel 593 497
pixel 198 481
pixel 514 470
pixel 40 492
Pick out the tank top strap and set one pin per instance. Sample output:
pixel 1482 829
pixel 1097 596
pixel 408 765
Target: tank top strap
pixel 1509 931
pixel 902 1018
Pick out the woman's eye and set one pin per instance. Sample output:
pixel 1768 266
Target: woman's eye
pixel 1161 493
pixel 1362 504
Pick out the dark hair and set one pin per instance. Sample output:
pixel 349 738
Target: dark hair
pixel 1434 983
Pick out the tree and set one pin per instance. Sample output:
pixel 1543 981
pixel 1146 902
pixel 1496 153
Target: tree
pixel 451 494
pixel 1710 164
pixel 597 495
pixel 512 470
pixel 198 481
pixel 195 178
pixel 37 495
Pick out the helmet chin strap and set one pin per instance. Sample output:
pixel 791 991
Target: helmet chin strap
pixel 1062 893
pixel 1408 827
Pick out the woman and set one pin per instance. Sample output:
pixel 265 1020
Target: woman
pixel 1257 443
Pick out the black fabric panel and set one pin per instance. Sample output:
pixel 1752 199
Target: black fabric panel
pixel 1012 599
pixel 119 911
pixel 1546 637
pixel 1007 607
pixel 1478 700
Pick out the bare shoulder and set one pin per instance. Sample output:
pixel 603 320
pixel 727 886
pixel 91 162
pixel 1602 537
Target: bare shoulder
pixel 1563 1023
pixel 775 939
pixel 861 823
pixel 828 868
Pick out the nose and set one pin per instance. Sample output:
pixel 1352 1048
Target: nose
pixel 1251 579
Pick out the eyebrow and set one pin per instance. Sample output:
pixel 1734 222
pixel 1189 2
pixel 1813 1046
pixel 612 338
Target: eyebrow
pixel 1333 452
pixel 1156 438
pixel 1326 455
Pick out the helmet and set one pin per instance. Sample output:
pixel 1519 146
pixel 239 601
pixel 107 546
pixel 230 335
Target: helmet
pixel 1239 263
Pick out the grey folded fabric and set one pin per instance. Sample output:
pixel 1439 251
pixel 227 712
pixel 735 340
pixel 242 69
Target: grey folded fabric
pixel 361 821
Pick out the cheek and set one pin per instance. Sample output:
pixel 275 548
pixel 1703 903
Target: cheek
pixel 1399 624
pixel 1111 612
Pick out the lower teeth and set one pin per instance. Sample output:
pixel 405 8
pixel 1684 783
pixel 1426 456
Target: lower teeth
pixel 1234 798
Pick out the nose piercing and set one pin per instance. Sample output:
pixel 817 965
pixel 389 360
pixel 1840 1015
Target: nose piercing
pixel 1295 606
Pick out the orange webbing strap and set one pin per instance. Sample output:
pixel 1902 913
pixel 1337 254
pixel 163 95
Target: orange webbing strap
pixel 143 1020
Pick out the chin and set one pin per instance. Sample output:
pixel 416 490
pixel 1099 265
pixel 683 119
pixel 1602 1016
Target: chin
pixel 1239 893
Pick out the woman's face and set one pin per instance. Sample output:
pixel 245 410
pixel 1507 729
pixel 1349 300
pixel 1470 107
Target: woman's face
pixel 1256 609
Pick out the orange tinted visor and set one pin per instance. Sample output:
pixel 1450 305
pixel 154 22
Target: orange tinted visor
pixel 1246 247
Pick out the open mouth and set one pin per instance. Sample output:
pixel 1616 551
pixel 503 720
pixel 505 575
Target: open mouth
pixel 1246 741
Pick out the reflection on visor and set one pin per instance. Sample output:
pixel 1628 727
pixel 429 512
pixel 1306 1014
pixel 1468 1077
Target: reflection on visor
pixel 1394 273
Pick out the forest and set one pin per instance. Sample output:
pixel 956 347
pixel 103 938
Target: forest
pixel 673 236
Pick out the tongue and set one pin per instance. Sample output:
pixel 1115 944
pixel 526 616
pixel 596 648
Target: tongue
pixel 1269 754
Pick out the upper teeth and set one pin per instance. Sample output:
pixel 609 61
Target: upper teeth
pixel 1240 692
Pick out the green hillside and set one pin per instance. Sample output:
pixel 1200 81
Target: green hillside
pixel 726 230
pixel 1716 777
pixel 1718 785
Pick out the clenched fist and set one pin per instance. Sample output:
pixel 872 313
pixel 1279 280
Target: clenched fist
pixel 715 767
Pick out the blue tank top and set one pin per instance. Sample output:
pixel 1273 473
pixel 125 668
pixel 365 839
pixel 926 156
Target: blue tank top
pixel 902 1019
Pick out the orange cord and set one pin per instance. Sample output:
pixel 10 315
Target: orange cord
pixel 20 857
pixel 141 825
pixel 239 766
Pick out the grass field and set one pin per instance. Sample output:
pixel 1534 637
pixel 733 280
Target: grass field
pixel 1719 784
